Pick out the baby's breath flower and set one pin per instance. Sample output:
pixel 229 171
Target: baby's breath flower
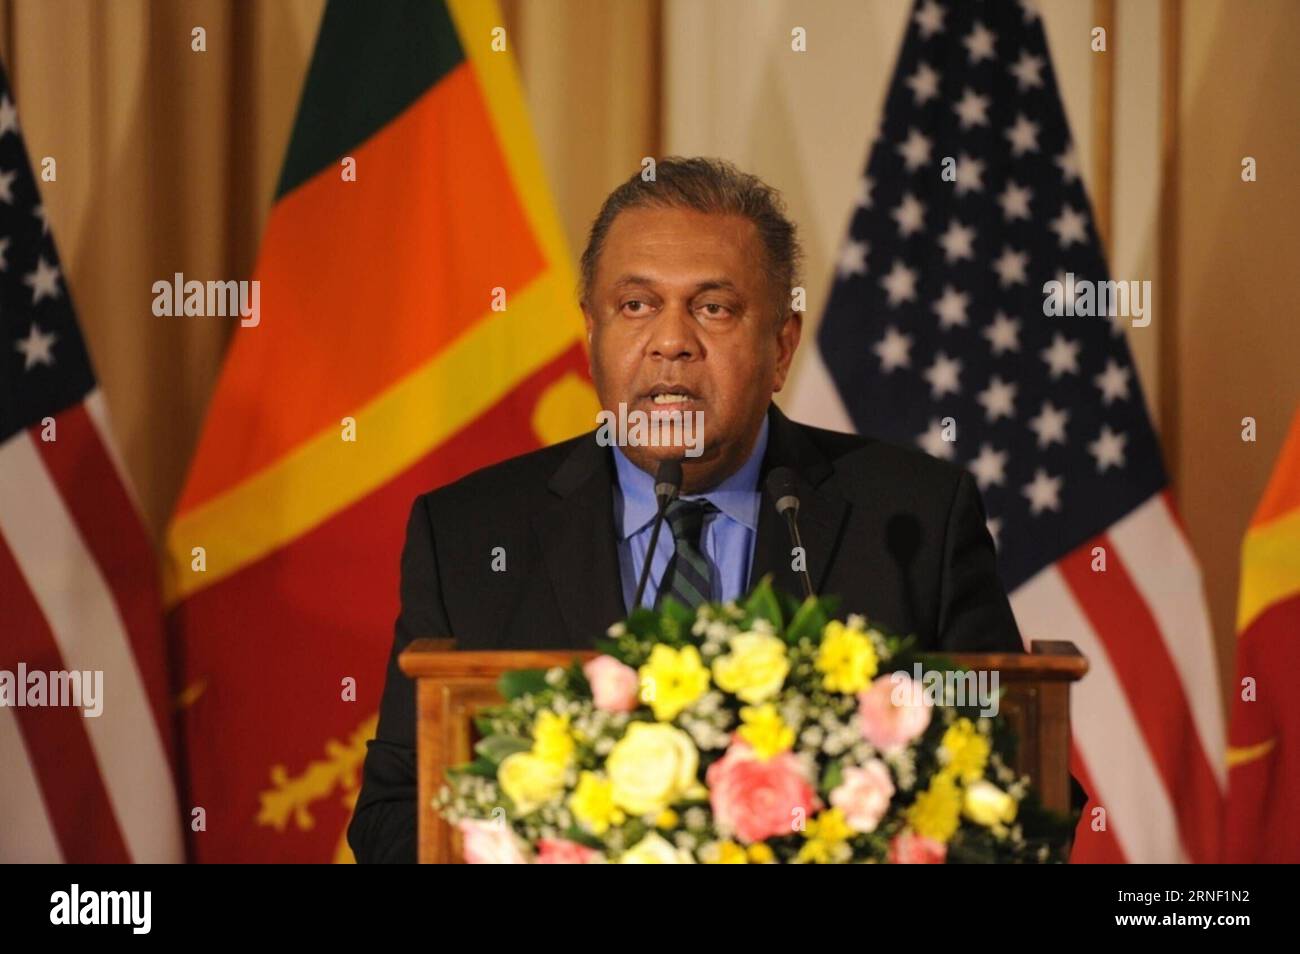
pixel 708 703
pixel 719 631
pixel 863 751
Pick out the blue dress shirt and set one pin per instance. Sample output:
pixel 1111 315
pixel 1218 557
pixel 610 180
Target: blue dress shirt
pixel 727 539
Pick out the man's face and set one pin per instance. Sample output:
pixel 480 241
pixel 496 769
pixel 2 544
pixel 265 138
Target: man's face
pixel 680 318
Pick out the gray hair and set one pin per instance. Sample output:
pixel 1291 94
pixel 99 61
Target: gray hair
pixel 714 186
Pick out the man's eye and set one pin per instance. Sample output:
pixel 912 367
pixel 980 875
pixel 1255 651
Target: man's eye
pixel 714 310
pixel 634 307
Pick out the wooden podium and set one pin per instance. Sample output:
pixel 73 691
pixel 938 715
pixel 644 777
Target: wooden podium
pixel 451 686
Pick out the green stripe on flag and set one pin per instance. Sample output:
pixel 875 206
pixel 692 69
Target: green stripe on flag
pixel 372 60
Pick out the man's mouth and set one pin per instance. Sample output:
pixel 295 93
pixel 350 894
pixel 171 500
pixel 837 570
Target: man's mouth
pixel 667 395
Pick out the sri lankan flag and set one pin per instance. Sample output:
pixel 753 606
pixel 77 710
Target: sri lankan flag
pixel 1263 823
pixel 417 322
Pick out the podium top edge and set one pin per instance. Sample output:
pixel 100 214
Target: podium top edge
pixel 1046 659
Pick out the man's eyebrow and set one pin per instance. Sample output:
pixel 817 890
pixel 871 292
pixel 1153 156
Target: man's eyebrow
pixel 626 280
pixel 708 284
pixel 726 284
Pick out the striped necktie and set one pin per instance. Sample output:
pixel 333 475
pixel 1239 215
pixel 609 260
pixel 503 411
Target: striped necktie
pixel 689 578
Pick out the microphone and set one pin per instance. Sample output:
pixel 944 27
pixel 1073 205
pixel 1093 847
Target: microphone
pixel 781 488
pixel 668 481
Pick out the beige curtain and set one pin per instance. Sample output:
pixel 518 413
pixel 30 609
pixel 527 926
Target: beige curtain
pixel 167 161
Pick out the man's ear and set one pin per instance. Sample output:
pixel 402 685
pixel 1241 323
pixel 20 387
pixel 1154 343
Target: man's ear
pixel 787 342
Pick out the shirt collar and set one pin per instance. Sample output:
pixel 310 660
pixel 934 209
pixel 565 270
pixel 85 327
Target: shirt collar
pixel 736 496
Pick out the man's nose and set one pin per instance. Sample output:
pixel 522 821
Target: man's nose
pixel 673 335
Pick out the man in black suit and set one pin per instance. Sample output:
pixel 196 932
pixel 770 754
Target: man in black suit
pixel 686 290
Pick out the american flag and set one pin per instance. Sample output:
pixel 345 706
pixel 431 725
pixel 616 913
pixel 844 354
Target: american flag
pixel 78 583
pixel 935 335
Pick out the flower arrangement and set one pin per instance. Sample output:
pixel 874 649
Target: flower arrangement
pixel 764 731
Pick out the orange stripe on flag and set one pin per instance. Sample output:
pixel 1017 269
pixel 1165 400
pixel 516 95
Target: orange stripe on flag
pixel 1283 493
pixel 343 314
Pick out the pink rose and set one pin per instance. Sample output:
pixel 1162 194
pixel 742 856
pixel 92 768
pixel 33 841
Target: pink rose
pixel 490 843
pixel 561 851
pixel 894 711
pixel 864 795
pixel 757 799
pixel 613 685
pixel 909 848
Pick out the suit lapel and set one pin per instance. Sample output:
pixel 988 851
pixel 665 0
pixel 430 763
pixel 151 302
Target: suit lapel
pixel 580 546
pixel 821 511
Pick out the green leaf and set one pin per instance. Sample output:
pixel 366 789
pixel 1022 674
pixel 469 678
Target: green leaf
pixel 808 621
pixel 643 623
pixel 789 603
pixel 675 621
pixel 833 775
pixel 521 682
pixel 763 604
pixel 583 837
pixel 480 766
pixel 496 747
pixel 578 683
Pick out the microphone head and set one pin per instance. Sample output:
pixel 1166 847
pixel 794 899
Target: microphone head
pixel 781 488
pixel 668 479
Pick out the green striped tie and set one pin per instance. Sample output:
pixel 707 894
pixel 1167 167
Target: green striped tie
pixel 689 575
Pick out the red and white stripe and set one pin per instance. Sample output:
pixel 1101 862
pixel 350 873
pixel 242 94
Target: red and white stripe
pixel 78 576
pixel 1147 722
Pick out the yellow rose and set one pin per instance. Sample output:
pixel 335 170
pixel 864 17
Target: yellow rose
pixel 672 679
pixel 986 804
pixel 530 781
pixel 846 658
pixel 651 767
pixel 551 739
pixel 754 669
pixel 654 849
pixel 592 804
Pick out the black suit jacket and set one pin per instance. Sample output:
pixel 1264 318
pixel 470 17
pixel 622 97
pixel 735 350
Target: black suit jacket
pixel 898 535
